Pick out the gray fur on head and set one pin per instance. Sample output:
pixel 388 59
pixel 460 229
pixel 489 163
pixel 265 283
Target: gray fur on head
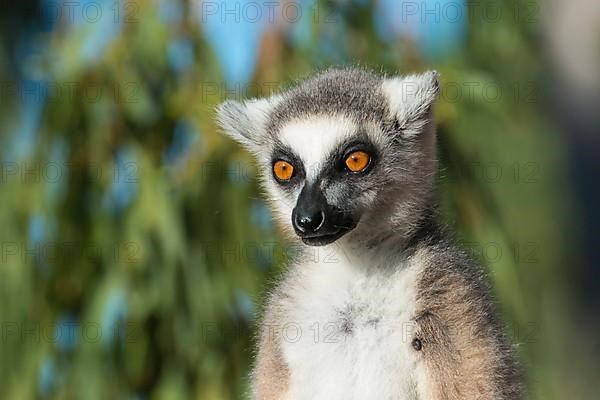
pixel 319 115
pixel 356 93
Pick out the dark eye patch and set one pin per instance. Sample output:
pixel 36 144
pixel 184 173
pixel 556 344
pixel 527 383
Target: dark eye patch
pixel 333 168
pixel 340 154
pixel 282 152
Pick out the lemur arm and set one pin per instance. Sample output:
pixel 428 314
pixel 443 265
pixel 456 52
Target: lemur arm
pixel 271 375
pixel 463 350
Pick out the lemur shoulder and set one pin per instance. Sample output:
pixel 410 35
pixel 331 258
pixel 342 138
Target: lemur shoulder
pixel 398 312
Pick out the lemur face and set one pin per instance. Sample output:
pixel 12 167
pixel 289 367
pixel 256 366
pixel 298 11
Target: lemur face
pixel 324 168
pixel 338 149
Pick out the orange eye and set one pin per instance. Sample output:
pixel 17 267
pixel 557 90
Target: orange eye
pixel 283 170
pixel 357 161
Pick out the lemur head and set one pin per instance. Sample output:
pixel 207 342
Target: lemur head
pixel 346 152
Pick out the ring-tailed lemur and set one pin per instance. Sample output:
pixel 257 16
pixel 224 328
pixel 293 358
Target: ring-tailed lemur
pixel 394 310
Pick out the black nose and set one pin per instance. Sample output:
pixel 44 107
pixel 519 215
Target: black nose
pixel 309 222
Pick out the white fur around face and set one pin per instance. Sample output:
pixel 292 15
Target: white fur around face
pixel 313 139
pixel 347 332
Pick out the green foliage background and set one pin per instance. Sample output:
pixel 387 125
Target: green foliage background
pixel 175 285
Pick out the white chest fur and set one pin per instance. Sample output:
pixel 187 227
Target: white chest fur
pixel 347 334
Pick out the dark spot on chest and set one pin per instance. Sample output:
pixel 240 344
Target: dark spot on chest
pixel 347 316
pixel 353 315
pixel 346 327
pixel 417 344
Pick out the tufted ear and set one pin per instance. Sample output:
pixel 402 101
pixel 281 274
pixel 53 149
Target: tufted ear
pixel 245 122
pixel 410 98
